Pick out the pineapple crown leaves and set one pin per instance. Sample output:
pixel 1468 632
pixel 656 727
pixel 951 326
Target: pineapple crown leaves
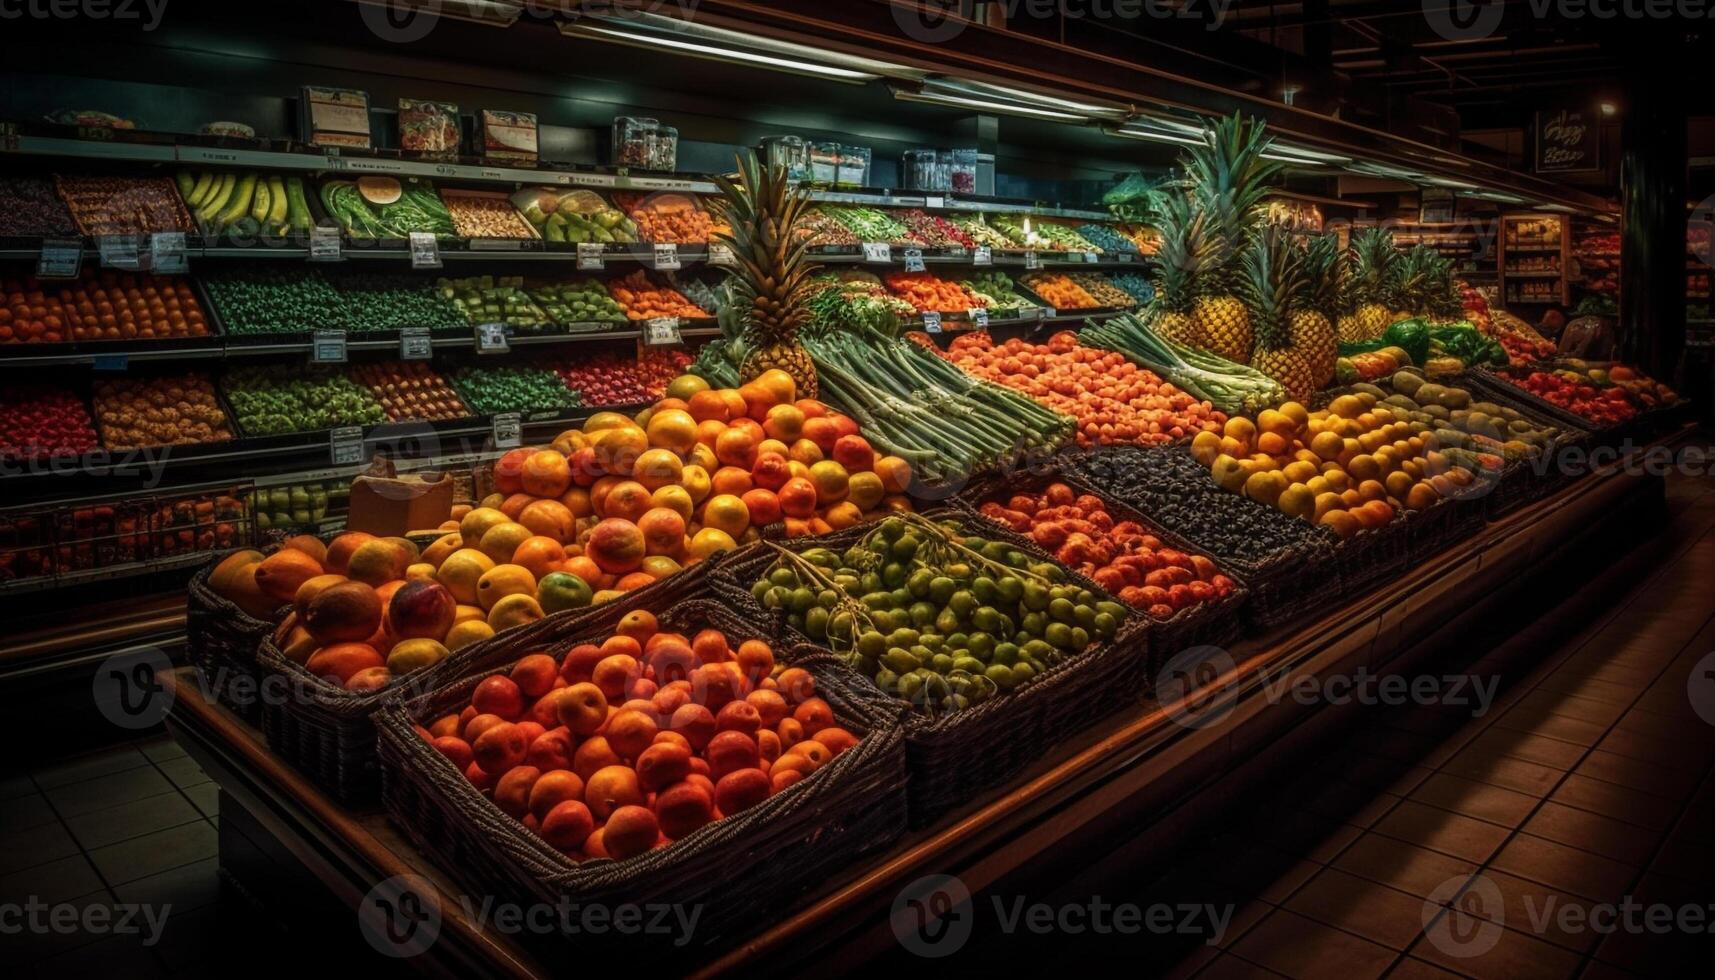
pixel 1374 260
pixel 1230 176
pixel 762 209
pixel 1188 246
pixel 1326 265
pixel 1275 281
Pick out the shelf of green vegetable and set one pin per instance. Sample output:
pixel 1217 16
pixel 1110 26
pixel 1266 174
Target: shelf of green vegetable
pixel 511 388
pixel 280 399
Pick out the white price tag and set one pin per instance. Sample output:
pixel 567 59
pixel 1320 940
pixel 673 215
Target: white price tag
pixel 877 252
pixel 720 254
pixel 414 344
pixel 1031 260
pixel 345 445
pixel 508 430
pixel 1091 257
pixel 167 252
pixel 932 321
pixel 666 256
pixel 979 317
pixel 983 255
pixel 934 202
pixel 120 251
pixel 1049 313
pixel 60 259
pixel 661 332
pixel 327 347
pixel 913 260
pixel 325 244
pixel 590 256
pixel 425 251
pixel 491 338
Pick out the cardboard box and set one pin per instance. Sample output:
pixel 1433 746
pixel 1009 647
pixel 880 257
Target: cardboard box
pixel 392 506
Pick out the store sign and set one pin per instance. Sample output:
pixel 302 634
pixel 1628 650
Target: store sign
pixel 1032 260
pixel 508 430
pixel 720 254
pixel 979 318
pixel 880 252
pixel 415 344
pixel 1568 141
pixel 666 257
pixel 913 260
pixel 934 202
pixel 491 338
pixel 1091 258
pixel 325 244
pixel 327 347
pixel 590 256
pixel 425 250
pixel 60 259
pixel 983 255
pixel 932 321
pixel 167 252
pixel 1436 206
pixel 661 332
pixel 120 251
pixel 345 445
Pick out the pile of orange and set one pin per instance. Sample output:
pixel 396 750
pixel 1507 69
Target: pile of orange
pixel 642 299
pixel 106 306
pixel 929 292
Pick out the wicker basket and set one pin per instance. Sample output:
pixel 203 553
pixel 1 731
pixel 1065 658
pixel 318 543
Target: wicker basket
pixel 956 756
pixel 222 640
pixel 1497 382
pixel 739 873
pixel 1212 623
pixel 326 732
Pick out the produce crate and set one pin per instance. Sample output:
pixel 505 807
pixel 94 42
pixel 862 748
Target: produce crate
pixel 222 641
pixel 327 732
pixel 1213 623
pixel 955 757
pixel 1373 555
pixel 781 848
pixel 1496 380
pixel 1285 587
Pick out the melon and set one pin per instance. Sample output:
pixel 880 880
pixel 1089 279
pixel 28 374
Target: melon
pixel 379 190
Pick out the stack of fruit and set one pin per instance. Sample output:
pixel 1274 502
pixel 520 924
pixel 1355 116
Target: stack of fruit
pixel 979 231
pixel 1063 237
pixel 208 522
pixel 38 422
pixel 124 205
pixel 1599 407
pixel 487 299
pixel 937 618
pixel 410 391
pixel 1645 392
pixel 1112 399
pixel 511 388
pixel 1110 241
pixel 1461 419
pixel 272 299
pixel 999 290
pixel 1059 291
pixel 247 205
pixel 581 301
pixel 933 229
pixel 1352 466
pixel 29 208
pixel 1140 289
pixel 1020 232
pixel 1120 556
pixel 574 216
pixel 277 400
pixel 925 291
pixel 106 305
pixel 615 379
pixel 637 741
pixel 1103 291
pixel 677 218
pixel 168 411
pixel 642 299
pixel 297 506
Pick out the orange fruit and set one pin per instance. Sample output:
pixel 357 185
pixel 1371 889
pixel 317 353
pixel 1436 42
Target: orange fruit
pixel 546 474
pixel 617 449
pixel 628 500
pixel 798 498
pixel 831 481
pixel 763 506
pixel 710 542
pixel 663 531
pixel 804 451
pixel 673 429
pixel 732 480
pixel 736 447
pixel 780 383
pixel 576 500
pixel 549 518
pixel 539 555
pixel 843 515
pixel 501 581
pixel 697 482
pixel 281 574
pixel 895 473
pixel 658 468
pixel 784 422
pixel 726 512
pixel 674 498
pixel 706 406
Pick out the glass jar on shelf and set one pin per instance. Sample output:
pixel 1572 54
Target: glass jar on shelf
pixel 824 164
pixel 962 171
pixel 919 170
pixel 854 168
pixel 789 152
pixel 632 137
pixel 664 148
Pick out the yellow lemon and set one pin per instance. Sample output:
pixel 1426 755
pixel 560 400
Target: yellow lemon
pixel 461 572
pixel 501 581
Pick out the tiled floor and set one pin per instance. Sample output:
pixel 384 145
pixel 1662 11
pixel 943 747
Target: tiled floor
pixel 1496 846
pixel 130 825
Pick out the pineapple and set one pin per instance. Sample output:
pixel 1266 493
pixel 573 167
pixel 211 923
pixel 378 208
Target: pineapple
pixel 1313 323
pixel 1228 176
pixel 1276 285
pixel 1185 249
pixel 1372 284
pixel 771 284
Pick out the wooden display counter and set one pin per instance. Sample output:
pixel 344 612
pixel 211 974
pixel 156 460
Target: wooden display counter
pixel 1124 771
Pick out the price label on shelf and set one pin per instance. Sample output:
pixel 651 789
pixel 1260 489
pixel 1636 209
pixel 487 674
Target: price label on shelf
pixel 327 347
pixel 61 258
pixel 932 321
pixel 591 256
pixel 508 430
pixel 934 202
pixel 345 445
pixel 110 362
pixel 661 332
pixel 120 251
pixel 1049 313
pixel 167 252
pixel 425 250
pixel 979 317
pixel 666 256
pixel 982 255
pixel 877 252
pixel 325 245
pixel 1091 257
pixel 1032 260
pixel 414 344
pixel 491 338
pixel 720 254
pixel 913 260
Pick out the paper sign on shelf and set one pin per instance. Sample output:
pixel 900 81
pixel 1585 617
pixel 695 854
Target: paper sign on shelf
pixel 983 255
pixel 61 258
pixel 425 250
pixel 661 332
pixel 491 338
pixel 932 321
pixel 508 430
pixel 120 251
pixel 167 252
pixel 877 252
pixel 328 347
pixel 590 256
pixel 345 445
pixel 1032 260
pixel 666 256
pixel 979 318
pixel 415 344
pixel 913 260
pixel 1091 257
pixel 325 245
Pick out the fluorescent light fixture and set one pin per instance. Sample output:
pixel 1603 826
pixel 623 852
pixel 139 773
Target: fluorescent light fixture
pixel 646 30
pixel 1381 170
pixel 1293 153
pixel 1500 197
pixel 1133 133
pixel 490 13
pixel 969 88
pixel 986 105
pixel 1160 129
pixel 1458 185
pixel 1560 208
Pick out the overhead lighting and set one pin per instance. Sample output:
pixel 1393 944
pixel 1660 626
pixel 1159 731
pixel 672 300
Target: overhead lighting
pixel 1609 109
pixel 734 47
pixel 1293 153
pixel 1382 170
pixel 986 105
pixel 1458 185
pixel 1134 133
pixel 970 88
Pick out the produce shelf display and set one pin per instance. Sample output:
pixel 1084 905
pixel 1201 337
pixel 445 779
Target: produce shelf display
pixel 100 306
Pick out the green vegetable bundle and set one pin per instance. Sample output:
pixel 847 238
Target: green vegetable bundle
pixel 418 208
pixel 276 400
pixel 1233 388
pixel 270 299
pixel 511 388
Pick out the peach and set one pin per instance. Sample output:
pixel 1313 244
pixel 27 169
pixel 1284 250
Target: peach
pixel 512 790
pixel 713 685
pixel 796 684
pixel 580 662
pixel 790 732
pixel 593 847
pixel 783 779
pixel 615 675
pixel 499 748
pixel 582 708
pixel 479 723
pixel 630 831
pixel 710 646
pixel 672 661
pixel 592 756
pixel 683 807
pixel 499 695
pixel 551 750
pixel 695 722
pixel 343 660
pixel 665 737
pixel 662 764
pixel 368 679
pixel 630 732
pixel 531 731
pixel 813 715
pixel 553 787
pixel 341 548
pixel 610 788
pixel 738 716
pixel 545 710
pixel 770 706
pixel 768 747
pixel 421 609
pixel 741 789
pixel 568 826
pixel 755 660
pixel 836 739
pixel 444 725
pixel 534 674
pixel 670 699
pixel 455 749
pixel 481 780
pixel 730 751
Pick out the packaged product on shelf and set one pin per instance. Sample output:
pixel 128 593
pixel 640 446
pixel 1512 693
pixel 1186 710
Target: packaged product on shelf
pixel 92 118
pixel 580 301
pixel 573 216
pixel 854 168
pixel 631 140
pixel 335 117
pixel 486 214
pixel 386 207
pixel 700 287
pixel 228 130
pixel 663 145
pixel 666 217
pixel 429 129
pixel 29 207
pixel 100 305
pixel 124 205
pixel 411 391
pixel 40 422
pixel 824 164
pixel 511 388
pixel 174 410
pixel 277 400
pixel 486 299
pixel 789 152
pixel 508 136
